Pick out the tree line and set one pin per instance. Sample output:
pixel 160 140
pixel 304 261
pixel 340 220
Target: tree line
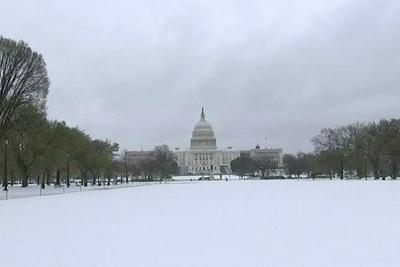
pixel 246 165
pixel 160 164
pixel 357 150
pixel 33 147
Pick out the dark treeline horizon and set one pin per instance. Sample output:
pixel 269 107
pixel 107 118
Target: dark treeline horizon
pixel 36 149
pixel 354 150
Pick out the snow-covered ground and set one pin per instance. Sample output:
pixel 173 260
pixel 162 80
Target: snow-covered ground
pixel 34 190
pixel 237 223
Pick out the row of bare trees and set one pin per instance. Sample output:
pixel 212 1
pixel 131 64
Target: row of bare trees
pixel 356 150
pixel 160 163
pixel 246 165
pixel 32 148
pixel 47 152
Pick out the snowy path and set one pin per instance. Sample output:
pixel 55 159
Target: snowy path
pixel 240 223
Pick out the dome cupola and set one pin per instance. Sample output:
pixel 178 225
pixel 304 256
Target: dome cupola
pixel 203 135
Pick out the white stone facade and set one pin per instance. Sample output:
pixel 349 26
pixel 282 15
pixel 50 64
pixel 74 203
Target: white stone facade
pixel 203 156
pixel 274 154
pixel 135 157
pixel 205 161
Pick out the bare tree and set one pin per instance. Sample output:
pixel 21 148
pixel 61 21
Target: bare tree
pixel 326 163
pixel 289 162
pixel 148 168
pixel 336 141
pixel 300 163
pixel 391 143
pixel 165 161
pixel 373 146
pixel 357 160
pixel 23 80
pixel 243 165
pixel 266 164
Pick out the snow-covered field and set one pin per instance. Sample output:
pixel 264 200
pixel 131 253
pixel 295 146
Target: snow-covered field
pixel 237 223
pixel 34 190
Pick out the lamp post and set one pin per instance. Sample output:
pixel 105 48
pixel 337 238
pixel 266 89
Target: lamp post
pixel 21 148
pixel 68 170
pixel 5 165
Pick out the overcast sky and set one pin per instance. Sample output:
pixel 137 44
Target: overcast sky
pixel 138 72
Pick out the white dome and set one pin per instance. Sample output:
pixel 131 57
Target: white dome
pixel 203 135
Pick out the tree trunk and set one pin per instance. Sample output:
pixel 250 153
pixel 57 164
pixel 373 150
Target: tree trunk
pixel 375 167
pixel 25 181
pixel 67 174
pixel 341 169
pixel 359 173
pixel 98 176
pixel 393 169
pixel 376 174
pixel 58 177
pixel 48 178
pixel 42 183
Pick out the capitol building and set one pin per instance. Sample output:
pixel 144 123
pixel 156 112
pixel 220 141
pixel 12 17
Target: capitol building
pixel 203 157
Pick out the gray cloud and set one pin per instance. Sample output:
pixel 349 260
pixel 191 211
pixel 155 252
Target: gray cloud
pixel 138 72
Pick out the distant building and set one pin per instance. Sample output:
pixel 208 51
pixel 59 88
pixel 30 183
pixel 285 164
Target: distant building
pixel 135 157
pixel 203 156
pixel 274 154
